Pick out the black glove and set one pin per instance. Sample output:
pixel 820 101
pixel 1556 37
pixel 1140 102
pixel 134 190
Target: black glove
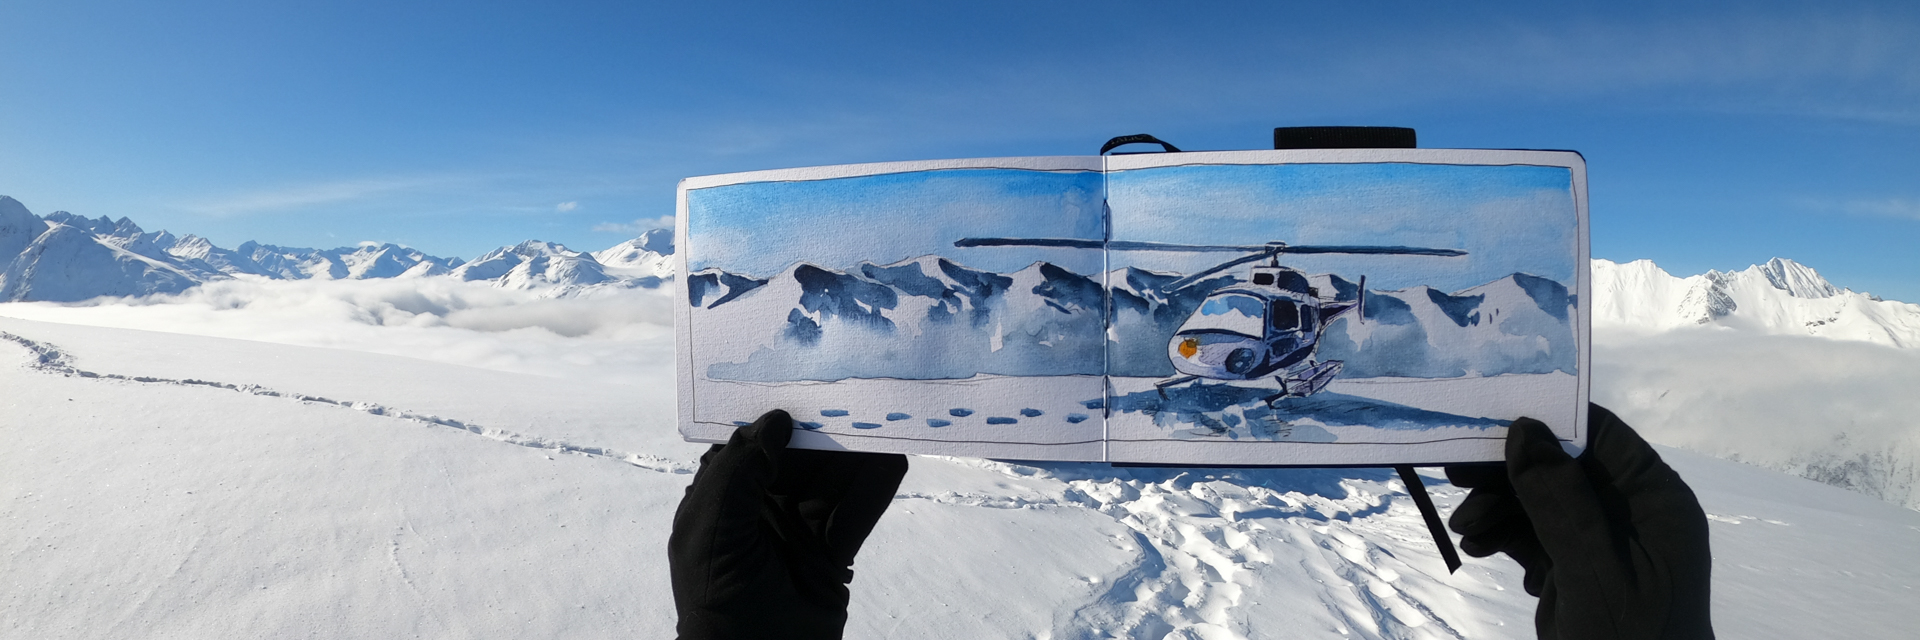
pixel 1613 543
pixel 763 542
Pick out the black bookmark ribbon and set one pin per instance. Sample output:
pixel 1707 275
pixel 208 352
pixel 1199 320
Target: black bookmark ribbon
pixel 1420 499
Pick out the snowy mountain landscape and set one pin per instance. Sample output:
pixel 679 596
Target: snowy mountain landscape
pixel 374 442
pixel 1771 365
pixel 67 258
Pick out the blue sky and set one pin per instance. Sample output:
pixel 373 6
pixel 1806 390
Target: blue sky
pixel 1717 135
pixel 761 228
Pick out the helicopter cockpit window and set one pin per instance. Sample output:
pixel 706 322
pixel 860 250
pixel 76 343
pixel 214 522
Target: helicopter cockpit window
pixel 1236 312
pixel 1291 281
pixel 1285 315
pixel 1263 278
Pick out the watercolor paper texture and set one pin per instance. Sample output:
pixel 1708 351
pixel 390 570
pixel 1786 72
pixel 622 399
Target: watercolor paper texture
pixel 1262 307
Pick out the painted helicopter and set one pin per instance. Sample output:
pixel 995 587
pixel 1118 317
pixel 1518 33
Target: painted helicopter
pixel 1266 325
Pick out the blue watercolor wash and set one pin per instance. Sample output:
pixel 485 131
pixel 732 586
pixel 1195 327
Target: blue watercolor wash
pixel 937 423
pixel 1002 420
pixel 960 413
pixel 1076 418
pixel 834 413
pixel 1096 403
pixel 891 417
pixel 739 423
pixel 866 425
pixel 810 426
pixel 1031 413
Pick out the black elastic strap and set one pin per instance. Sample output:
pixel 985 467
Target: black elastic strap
pixel 1431 515
pixel 1344 138
pixel 1138 137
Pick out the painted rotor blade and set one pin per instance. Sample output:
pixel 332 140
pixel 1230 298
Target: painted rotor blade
pixel 1402 251
pixel 1114 245
pixel 1072 243
pixel 1130 245
pixel 1177 284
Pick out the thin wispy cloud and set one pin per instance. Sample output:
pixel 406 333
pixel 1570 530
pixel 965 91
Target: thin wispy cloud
pixel 635 227
pixel 300 196
pixel 1886 207
pixel 566 206
pixel 1843 65
pixel 1892 207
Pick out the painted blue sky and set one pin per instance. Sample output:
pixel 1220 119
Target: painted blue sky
pixel 1507 218
pixel 1718 134
pixel 760 228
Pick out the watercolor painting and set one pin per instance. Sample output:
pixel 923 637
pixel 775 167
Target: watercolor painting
pixel 1144 308
pixel 845 300
pixel 1340 303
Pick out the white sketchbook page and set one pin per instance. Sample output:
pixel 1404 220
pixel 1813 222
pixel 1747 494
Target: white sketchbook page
pixel 839 295
pixel 1453 348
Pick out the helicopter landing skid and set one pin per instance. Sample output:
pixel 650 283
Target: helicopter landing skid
pixel 1303 381
pixel 1162 385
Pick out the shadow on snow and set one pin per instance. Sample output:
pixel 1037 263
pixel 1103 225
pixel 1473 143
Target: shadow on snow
pixel 1236 412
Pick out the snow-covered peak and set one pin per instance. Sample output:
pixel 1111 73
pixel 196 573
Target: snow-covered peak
pixel 1781 297
pixel 659 241
pixel 497 263
pixel 646 256
pixel 13 214
pixel 379 261
pixel 532 248
pixel 125 228
pixel 69 263
pixel 18 227
pixel 1796 279
pixel 191 247
pixel 571 269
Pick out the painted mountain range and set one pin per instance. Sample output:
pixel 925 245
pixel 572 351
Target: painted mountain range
pixel 932 318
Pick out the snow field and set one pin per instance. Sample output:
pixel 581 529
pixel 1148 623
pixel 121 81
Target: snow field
pixel 169 511
pixel 364 524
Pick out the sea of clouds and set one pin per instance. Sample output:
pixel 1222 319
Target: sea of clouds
pixel 1836 411
pixel 615 334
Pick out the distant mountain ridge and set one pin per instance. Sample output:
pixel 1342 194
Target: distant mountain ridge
pixel 63 257
pixel 1781 297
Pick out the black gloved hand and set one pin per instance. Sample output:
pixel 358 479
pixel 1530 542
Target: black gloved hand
pixel 1613 543
pixel 763 542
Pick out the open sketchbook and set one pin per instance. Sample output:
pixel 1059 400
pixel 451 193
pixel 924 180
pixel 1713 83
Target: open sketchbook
pixel 1314 307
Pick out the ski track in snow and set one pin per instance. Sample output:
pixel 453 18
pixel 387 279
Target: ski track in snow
pixel 50 359
pixel 1197 540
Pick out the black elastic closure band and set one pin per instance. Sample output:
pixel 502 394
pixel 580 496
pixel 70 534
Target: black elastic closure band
pixel 1420 499
pixel 1344 138
pixel 1137 138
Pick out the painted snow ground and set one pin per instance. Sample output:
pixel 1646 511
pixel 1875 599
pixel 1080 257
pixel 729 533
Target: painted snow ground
pixel 246 489
pixel 1051 418
pixel 1059 416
